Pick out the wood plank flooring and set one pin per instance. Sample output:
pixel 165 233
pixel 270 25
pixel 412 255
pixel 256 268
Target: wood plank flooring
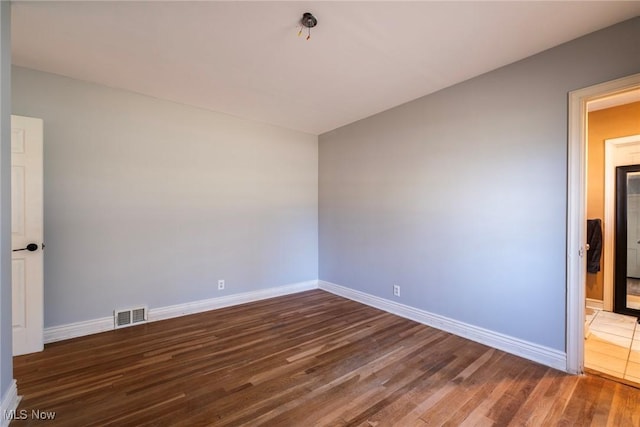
pixel 306 359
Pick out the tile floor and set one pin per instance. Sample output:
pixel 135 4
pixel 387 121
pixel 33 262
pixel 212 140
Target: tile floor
pixel 612 344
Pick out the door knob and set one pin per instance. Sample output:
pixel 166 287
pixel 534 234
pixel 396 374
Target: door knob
pixel 30 247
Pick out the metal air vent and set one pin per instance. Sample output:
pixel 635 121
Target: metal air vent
pixel 129 317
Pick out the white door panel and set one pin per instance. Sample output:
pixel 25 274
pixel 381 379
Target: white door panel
pixel 19 293
pixel 26 228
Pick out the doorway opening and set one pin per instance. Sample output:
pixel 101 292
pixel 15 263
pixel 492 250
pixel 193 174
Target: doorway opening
pixel 616 92
pixel 613 159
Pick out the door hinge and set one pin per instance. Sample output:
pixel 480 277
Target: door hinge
pixel 581 252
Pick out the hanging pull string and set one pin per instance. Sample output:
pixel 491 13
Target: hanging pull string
pixel 308 32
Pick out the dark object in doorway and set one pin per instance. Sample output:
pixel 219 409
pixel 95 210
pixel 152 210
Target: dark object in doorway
pixel 594 239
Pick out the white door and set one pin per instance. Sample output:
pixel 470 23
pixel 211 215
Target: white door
pixel 26 234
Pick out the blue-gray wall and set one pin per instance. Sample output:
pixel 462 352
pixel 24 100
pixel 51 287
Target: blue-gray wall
pixel 151 202
pixel 460 197
pixel 6 339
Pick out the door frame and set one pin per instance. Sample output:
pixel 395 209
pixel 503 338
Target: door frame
pixel 577 211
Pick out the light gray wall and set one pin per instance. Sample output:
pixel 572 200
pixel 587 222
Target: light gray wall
pixel 460 197
pixel 151 202
pixel 6 331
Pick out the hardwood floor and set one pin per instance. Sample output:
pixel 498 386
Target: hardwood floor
pixel 306 359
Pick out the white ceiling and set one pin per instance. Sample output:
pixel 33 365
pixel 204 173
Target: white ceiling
pixel 245 58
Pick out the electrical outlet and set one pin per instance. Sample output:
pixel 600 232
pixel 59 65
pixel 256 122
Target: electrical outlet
pixel 396 290
pixel 220 285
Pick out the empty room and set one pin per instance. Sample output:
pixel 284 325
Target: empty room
pixel 319 213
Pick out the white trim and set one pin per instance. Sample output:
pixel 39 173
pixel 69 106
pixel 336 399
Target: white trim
pixel 576 218
pixel 9 404
pixel 576 211
pixel 610 163
pixel 595 304
pixel 77 329
pixel 538 353
pixel 94 326
pixel 614 100
pixel 227 301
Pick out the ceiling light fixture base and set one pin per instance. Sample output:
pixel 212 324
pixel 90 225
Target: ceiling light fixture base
pixel 308 20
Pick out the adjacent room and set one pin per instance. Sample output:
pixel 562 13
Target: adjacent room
pixel 315 213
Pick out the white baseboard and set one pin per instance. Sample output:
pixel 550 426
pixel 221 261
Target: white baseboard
pixel 94 326
pixel 77 329
pixel 229 300
pixel 595 304
pixel 535 352
pixel 9 404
